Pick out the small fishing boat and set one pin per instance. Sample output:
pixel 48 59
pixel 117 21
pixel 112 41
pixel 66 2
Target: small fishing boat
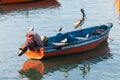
pixel 28 6
pixel 70 42
pixel 67 63
pixel 15 1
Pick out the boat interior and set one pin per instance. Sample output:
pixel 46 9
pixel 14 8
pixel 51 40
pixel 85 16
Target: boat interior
pixel 79 35
pixel 71 38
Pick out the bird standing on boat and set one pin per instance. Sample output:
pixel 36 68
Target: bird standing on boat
pixel 80 22
pixel 59 29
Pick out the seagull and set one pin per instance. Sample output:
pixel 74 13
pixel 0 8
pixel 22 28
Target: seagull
pixel 80 22
pixel 59 29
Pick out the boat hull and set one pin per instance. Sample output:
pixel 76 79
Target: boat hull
pixel 46 66
pixel 14 1
pixel 75 50
pixel 72 47
pixel 28 6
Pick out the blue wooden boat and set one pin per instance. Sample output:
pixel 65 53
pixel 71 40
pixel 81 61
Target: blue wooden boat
pixel 45 66
pixel 71 42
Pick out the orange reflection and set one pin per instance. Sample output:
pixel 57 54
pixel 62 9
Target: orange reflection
pixel 32 68
pixel 37 65
pixel 117 5
pixel 31 5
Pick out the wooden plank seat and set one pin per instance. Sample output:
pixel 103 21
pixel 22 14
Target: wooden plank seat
pixel 81 38
pixel 59 43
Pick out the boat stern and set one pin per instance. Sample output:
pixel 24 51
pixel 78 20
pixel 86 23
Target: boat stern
pixel 38 53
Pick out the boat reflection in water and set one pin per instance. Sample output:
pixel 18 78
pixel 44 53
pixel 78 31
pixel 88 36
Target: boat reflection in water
pixel 37 69
pixel 28 6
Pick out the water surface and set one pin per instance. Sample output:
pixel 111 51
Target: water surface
pixel 63 13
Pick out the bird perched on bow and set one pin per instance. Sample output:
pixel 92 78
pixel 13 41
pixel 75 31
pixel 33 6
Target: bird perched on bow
pixel 59 29
pixel 80 22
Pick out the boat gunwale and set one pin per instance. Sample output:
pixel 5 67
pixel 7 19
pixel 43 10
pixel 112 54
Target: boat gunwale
pixel 84 42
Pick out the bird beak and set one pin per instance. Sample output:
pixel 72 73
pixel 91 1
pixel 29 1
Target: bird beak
pixel 84 15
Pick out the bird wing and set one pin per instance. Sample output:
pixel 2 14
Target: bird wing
pixel 76 24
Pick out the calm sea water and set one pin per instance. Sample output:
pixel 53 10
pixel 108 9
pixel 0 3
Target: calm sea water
pixel 102 64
